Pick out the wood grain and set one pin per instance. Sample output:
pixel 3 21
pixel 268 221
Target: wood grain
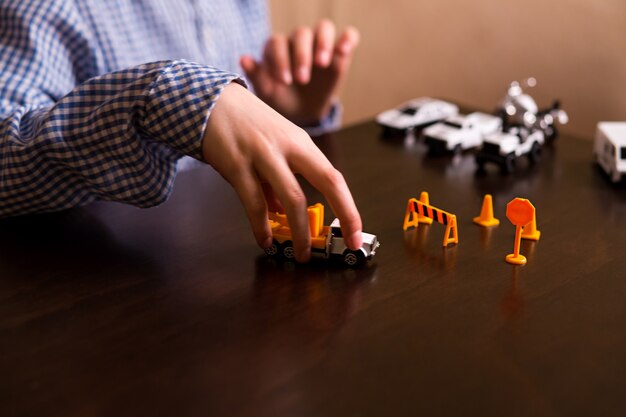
pixel 112 310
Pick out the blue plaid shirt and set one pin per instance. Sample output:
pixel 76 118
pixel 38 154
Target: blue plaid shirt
pixel 99 99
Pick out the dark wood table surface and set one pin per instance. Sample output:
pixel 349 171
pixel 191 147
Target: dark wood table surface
pixel 110 310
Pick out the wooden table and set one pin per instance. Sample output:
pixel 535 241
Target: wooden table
pixel 111 310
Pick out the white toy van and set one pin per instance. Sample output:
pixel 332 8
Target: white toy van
pixel 609 149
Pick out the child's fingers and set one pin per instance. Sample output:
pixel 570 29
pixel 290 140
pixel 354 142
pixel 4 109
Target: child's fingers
pixel 316 168
pixel 277 172
pixel 250 192
pixel 302 54
pixel 324 42
pixel 273 204
pixel 344 50
pixel 276 57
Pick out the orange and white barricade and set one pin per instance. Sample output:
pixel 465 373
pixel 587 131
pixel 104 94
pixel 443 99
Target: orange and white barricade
pixel 416 209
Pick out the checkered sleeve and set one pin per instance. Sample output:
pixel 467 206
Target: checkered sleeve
pixel 114 137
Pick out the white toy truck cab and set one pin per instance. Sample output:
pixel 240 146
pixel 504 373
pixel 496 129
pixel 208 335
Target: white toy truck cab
pixel 326 240
pixel 503 148
pixel 609 149
pixel 458 133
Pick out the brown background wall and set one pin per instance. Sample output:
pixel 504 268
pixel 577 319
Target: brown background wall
pixel 469 51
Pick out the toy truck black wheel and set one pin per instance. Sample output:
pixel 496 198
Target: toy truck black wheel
pixel 353 258
pixel 274 249
pixel 480 161
pixel 535 153
pixel 508 165
pixel 288 251
pixel 392 132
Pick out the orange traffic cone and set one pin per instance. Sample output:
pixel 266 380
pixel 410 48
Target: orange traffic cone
pixel 486 218
pixel 424 199
pixel 530 231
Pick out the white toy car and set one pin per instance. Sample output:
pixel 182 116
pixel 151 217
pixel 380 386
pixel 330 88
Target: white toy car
pixel 415 113
pixel 609 149
pixel 458 133
pixel 503 148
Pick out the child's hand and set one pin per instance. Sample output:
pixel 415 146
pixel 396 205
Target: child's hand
pixel 258 151
pixel 300 76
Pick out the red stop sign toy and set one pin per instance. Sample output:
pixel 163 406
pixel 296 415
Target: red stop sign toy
pixel 520 212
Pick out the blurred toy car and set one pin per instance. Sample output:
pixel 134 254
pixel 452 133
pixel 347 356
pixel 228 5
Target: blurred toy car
pixel 503 148
pixel 415 113
pixel 546 120
pixel 609 149
pixel 460 132
pixel 520 109
pixel 525 129
pixel 326 240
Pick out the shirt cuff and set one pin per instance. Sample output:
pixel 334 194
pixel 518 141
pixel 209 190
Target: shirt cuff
pixel 330 123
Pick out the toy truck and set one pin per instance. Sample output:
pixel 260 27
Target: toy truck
pixel 609 149
pixel 413 114
pixel 503 148
pixel 460 132
pixel 325 240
